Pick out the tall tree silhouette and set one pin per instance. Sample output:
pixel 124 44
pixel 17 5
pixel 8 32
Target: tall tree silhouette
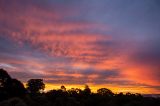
pixel 10 87
pixel 4 78
pixel 16 88
pixel 35 85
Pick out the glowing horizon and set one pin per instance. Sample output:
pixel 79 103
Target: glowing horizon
pixel 94 88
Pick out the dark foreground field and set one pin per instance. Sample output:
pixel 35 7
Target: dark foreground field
pixel 13 93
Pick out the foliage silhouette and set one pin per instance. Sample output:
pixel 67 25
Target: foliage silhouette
pixel 15 88
pixel 105 92
pixel 13 93
pixel 4 78
pixel 10 87
pixel 35 85
pixel 63 88
pixel 87 90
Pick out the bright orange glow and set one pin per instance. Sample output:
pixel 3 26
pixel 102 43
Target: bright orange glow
pixel 94 88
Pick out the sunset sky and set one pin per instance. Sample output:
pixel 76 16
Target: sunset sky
pixel 102 43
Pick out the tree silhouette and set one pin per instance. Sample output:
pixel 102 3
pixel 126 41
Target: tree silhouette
pixel 12 93
pixel 4 78
pixel 87 90
pixel 16 88
pixel 104 92
pixel 35 85
pixel 10 87
pixel 63 88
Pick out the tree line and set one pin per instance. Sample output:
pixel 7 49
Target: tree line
pixel 13 93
